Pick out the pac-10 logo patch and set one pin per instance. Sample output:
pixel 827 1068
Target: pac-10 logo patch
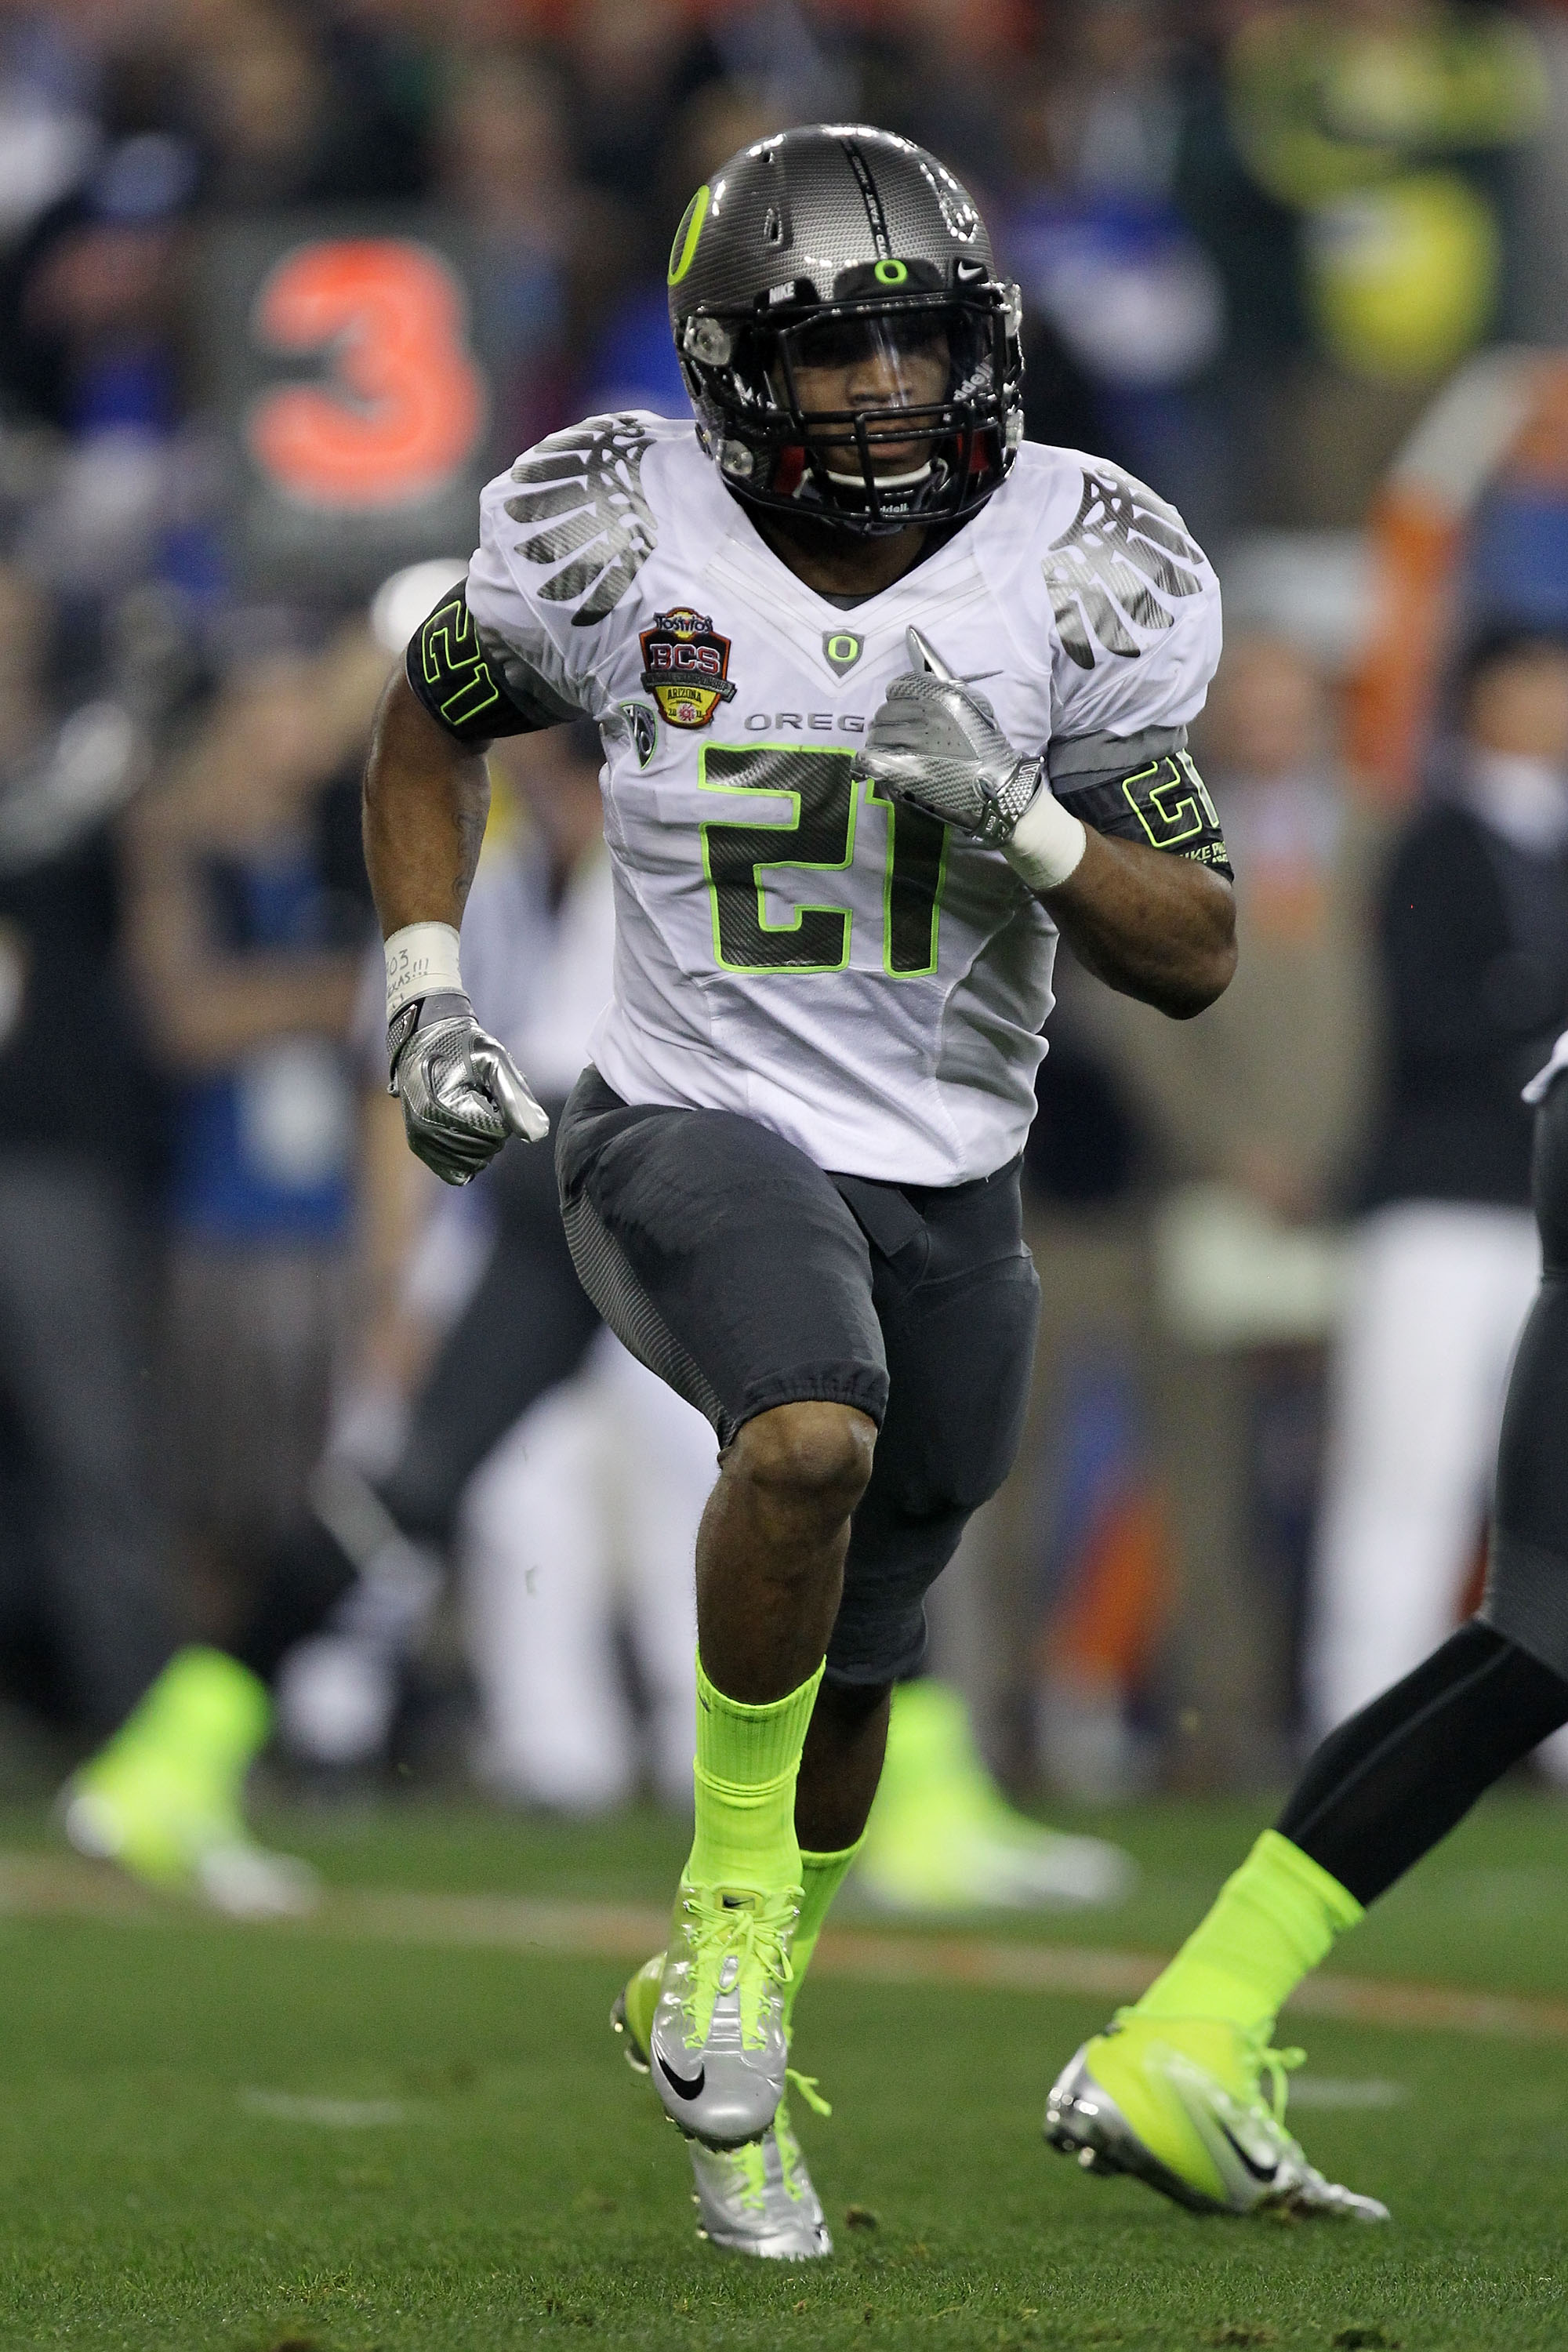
pixel 685 666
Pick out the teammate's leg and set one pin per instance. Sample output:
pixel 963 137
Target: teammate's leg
pixel 1436 1295
pixel 1173 2087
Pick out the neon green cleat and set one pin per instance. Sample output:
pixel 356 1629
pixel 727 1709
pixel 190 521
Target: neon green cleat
pixel 757 2200
pixel 942 1836
pixel 163 1797
pixel 1179 2104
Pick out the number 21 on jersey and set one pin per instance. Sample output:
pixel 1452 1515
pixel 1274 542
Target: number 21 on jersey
pixel 817 836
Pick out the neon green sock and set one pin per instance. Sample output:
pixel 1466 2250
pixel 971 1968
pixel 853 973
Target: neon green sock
pixel 747 1761
pixel 1275 1918
pixel 822 1875
pixel 206 1711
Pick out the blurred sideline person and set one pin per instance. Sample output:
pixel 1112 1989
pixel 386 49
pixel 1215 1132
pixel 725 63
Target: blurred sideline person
pixel 246 925
pixel 1473 944
pixel 81 1133
pixel 1262 1108
pixel 584 1516
pixel 791 1172
pixel 1174 2090
pixel 249 921
pixel 588 1507
pixel 360 1563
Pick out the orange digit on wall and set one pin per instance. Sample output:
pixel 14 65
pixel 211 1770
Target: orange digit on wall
pixel 405 406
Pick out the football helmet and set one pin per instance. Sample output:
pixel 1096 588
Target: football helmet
pixel 841 258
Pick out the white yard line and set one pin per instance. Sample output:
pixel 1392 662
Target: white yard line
pixel 34 1885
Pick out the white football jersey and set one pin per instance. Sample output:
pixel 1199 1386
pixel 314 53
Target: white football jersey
pixel 788 944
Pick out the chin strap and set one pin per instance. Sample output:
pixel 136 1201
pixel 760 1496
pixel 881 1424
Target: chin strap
pixel 882 481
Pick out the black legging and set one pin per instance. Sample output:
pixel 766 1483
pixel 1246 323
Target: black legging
pixel 1394 1778
pixel 526 1329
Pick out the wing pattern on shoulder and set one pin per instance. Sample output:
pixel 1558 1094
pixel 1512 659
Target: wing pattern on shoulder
pixel 585 486
pixel 1122 544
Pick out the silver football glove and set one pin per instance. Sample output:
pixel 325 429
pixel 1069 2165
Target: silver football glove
pixel 936 744
pixel 462 1093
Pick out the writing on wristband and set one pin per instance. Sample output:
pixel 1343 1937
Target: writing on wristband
pixel 420 958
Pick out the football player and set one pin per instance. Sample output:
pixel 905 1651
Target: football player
pixel 891 700
pixel 1173 2090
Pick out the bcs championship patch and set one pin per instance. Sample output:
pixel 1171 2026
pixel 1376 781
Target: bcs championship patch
pixel 685 663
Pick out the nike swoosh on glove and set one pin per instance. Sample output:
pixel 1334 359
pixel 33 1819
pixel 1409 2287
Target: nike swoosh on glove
pixel 463 1095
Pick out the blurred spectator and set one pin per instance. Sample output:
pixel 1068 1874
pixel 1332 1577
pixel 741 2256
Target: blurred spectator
pixel 46 130
pixel 631 64
pixel 1051 1615
pixel 632 362
pixel 1105 257
pixel 1261 1106
pixel 581 1525
pixel 505 1318
pixel 80 1139
pixel 1386 131
pixel 91 336
pixel 1473 936
pixel 282 113
pixel 250 912
pixel 567 1479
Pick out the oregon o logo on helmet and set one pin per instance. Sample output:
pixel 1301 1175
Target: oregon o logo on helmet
pixel 891 273
pixel 683 251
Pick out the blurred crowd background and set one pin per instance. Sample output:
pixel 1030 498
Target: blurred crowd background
pixel 282 282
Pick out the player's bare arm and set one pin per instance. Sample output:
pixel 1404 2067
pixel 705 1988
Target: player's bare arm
pixel 1162 929
pixel 426 796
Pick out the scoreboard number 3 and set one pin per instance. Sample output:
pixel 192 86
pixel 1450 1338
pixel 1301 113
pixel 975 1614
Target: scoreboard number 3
pixel 401 406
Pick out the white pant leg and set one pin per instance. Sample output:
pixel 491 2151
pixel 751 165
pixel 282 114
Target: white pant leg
pixel 1437 1293
pixel 666 1457
pixel 539 1606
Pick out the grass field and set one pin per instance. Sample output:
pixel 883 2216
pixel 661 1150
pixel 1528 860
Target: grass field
pixel 394 2131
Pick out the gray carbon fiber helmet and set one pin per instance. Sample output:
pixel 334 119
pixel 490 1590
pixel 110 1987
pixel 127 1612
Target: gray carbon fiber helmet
pixel 802 249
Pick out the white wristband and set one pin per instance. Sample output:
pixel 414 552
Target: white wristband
pixel 1047 842
pixel 421 959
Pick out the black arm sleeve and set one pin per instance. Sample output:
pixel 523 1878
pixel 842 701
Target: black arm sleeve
pixel 475 701
pixel 1140 788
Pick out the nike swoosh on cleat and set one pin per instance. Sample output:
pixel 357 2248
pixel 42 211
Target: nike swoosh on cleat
pixel 678 2085
pixel 1264 2173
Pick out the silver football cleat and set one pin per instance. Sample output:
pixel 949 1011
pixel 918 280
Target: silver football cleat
pixel 717 2046
pixel 1253 2165
pixel 759 2199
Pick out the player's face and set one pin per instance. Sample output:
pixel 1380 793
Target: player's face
pixel 876 364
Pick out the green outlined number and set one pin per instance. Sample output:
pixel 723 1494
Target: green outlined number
pixel 738 852
pixel 1177 807
pixel 818 837
pixel 455 665
pixel 912 894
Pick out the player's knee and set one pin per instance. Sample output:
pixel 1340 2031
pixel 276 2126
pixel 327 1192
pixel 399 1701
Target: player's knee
pixel 814 1454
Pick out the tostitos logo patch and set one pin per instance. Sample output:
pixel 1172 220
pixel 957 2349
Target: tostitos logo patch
pixel 685 667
